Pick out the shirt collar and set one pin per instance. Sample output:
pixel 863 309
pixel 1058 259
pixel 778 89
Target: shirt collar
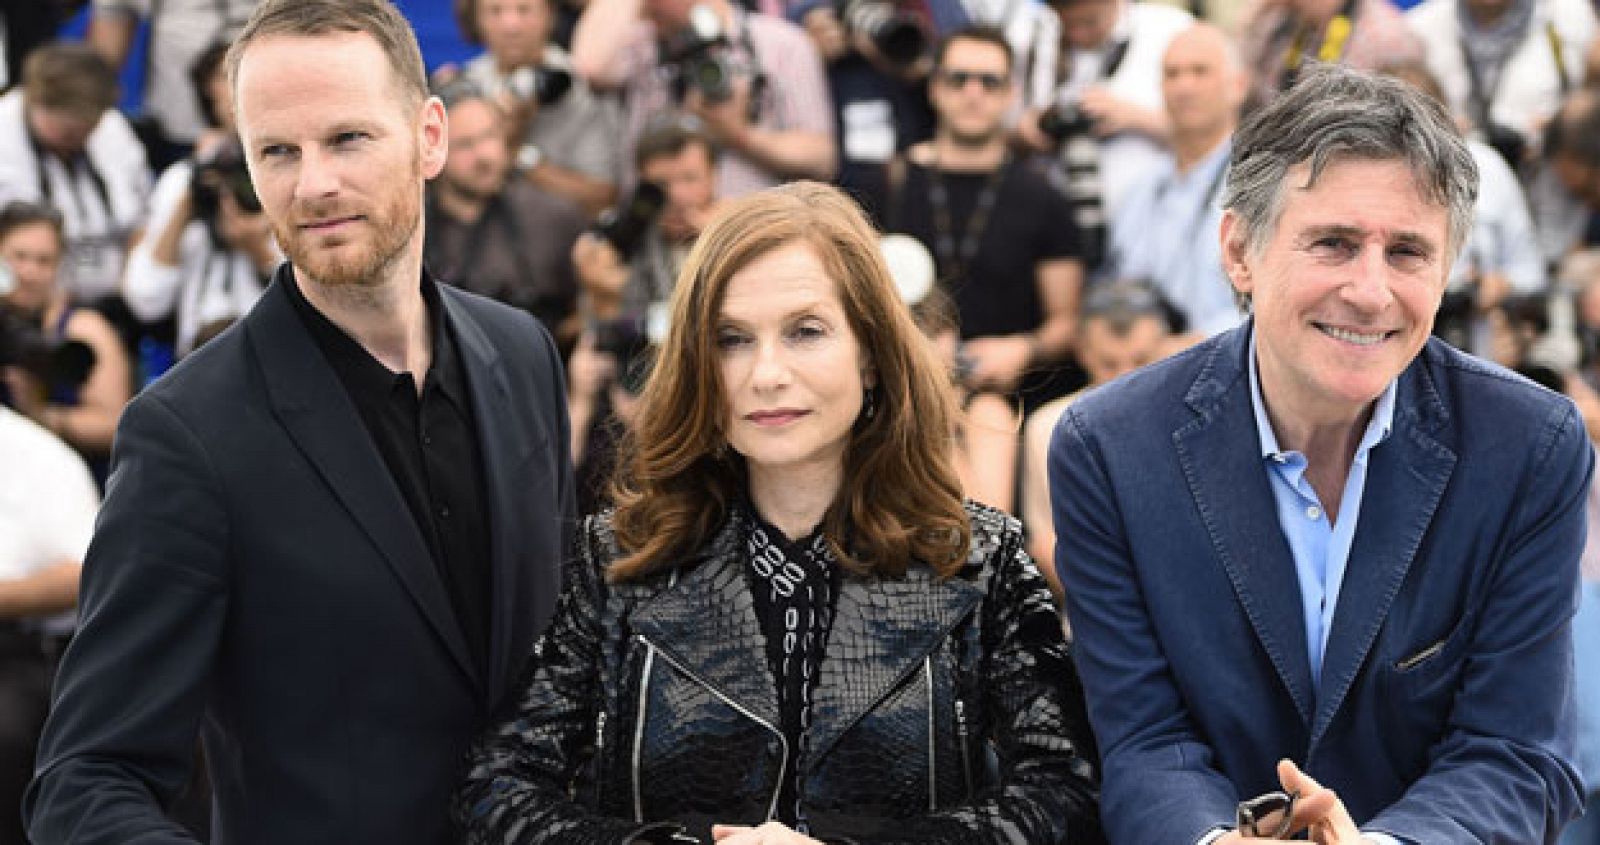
pixel 363 373
pixel 1378 427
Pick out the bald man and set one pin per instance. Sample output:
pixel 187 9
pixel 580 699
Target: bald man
pixel 1166 234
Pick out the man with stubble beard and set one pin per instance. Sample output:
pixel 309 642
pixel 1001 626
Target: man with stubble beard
pixel 332 533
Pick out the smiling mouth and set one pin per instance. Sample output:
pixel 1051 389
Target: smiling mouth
pixel 1354 337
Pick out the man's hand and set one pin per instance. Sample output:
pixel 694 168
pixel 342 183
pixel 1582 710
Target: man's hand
pixel 727 121
pixel 1317 810
pixel 997 362
pixel 1029 134
pixel 601 272
pixel 1113 115
pixel 246 232
pixel 28 394
pixel 827 33
pixel 771 833
pixel 588 371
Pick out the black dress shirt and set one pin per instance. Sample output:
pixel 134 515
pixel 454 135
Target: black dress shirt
pixel 430 444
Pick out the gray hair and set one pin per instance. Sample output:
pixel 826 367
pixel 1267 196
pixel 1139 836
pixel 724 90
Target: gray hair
pixel 1336 113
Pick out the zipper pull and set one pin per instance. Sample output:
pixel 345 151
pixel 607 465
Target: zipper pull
pixel 961 719
pixel 600 733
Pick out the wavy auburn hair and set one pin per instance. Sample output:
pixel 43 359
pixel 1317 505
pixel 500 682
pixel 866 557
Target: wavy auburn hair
pixel 677 478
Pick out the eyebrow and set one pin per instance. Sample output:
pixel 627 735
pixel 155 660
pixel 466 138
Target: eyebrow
pixel 810 309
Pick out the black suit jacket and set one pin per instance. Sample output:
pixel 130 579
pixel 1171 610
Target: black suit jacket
pixel 256 576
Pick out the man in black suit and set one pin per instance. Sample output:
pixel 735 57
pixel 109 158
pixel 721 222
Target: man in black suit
pixel 331 534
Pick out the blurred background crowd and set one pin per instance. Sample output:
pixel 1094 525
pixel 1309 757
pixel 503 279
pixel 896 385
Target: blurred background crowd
pixel 1049 180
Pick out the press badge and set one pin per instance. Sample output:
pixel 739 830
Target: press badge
pixel 868 130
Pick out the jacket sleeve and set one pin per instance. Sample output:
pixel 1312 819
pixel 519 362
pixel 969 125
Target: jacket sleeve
pixel 1160 784
pixel 120 740
pixel 1048 790
pixel 517 789
pixel 1503 770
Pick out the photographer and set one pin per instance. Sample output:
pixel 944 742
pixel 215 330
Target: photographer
pixel 877 59
pixel 627 279
pixel 754 81
pixel 84 415
pixel 47 510
pixel 493 233
pixel 566 140
pixel 209 249
pixel 1102 116
pixel 1505 64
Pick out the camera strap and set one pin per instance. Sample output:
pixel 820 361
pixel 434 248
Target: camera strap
pixel 96 181
pixel 954 258
pixel 1335 39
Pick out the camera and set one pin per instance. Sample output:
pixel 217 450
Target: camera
pixel 222 170
pixel 544 85
pixel 1065 120
pixel 898 36
pixel 625 225
pixel 59 365
pixel 1508 142
pixel 698 53
pixel 1079 155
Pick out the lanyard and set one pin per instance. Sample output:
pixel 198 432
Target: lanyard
pixel 953 258
pixel 1335 37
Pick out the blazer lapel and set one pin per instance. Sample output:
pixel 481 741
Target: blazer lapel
pixel 317 413
pixel 706 622
pixel 1406 477
pixel 882 630
pixel 1222 462
pixel 505 447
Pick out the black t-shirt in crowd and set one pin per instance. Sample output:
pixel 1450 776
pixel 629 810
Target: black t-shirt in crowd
pixel 1030 222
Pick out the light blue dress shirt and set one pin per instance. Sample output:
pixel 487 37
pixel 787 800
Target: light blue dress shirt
pixel 1321 548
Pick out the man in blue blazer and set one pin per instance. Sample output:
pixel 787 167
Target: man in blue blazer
pixel 332 533
pixel 1323 537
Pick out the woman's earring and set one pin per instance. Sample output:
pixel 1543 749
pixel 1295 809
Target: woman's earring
pixel 869 403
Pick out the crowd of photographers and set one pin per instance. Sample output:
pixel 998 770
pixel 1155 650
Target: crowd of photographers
pixel 1054 168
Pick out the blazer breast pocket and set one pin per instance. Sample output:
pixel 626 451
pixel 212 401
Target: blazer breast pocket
pixel 1428 670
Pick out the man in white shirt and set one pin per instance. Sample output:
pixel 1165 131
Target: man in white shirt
pixel 47 509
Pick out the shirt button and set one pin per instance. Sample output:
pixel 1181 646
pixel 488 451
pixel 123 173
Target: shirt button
pixel 1313 512
pixel 444 512
pixel 427 440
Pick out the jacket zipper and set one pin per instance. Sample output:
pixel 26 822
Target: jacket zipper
pixel 599 758
pixel 961 738
pixel 638 729
pixel 783 744
pixel 933 765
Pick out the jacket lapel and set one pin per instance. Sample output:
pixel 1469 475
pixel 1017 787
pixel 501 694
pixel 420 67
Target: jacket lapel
pixel 706 622
pixel 317 413
pixel 1221 459
pixel 504 453
pixel 1406 477
pixel 882 630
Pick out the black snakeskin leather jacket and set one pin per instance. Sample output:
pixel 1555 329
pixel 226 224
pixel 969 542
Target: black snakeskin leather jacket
pixel 943 712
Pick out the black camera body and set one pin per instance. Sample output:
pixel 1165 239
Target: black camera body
pixel 222 170
pixel 1065 120
pixel 544 85
pixel 57 364
pixel 898 36
pixel 699 54
pixel 624 226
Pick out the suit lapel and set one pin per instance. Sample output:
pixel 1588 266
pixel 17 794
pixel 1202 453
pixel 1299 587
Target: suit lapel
pixel 505 447
pixel 1406 477
pixel 317 413
pixel 706 622
pixel 1221 459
